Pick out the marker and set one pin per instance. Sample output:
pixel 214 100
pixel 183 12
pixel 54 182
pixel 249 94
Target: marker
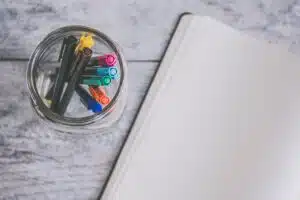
pixel 85 41
pixel 107 60
pixel 62 75
pixel 73 65
pixel 112 72
pixel 99 95
pixel 85 56
pixel 93 61
pixel 86 80
pixel 63 46
pixel 88 101
pixel 49 93
pixel 101 81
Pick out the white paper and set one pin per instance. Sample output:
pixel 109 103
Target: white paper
pixel 220 122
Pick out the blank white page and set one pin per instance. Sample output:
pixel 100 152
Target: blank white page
pixel 220 122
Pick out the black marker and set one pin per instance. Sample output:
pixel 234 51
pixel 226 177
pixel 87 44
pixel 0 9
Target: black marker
pixel 68 55
pixel 49 94
pixel 85 56
pixel 93 62
pixel 73 66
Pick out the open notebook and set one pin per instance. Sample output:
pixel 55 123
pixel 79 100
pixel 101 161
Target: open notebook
pixel 221 121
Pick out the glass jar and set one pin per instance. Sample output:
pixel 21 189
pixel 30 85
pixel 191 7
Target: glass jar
pixel 42 66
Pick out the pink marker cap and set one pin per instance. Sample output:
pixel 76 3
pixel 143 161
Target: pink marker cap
pixel 108 59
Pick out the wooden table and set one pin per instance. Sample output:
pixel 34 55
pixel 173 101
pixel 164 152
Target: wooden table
pixel 39 163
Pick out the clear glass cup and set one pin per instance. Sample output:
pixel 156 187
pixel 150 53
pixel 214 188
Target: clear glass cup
pixel 43 65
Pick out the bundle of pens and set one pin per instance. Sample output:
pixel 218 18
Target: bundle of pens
pixel 78 67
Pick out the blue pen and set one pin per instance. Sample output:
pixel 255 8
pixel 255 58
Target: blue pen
pixel 112 72
pixel 88 101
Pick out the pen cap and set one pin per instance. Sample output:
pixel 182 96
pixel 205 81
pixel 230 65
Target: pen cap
pixel 94 106
pixel 99 95
pixel 107 59
pixel 88 101
pixel 100 81
pixel 107 71
pixel 78 118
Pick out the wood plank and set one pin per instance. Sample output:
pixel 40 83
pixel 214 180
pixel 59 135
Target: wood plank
pixel 39 163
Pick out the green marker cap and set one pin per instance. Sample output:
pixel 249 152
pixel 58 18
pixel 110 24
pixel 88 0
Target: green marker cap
pixel 106 80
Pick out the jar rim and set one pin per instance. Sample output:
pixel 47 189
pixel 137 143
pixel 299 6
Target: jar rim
pixel 37 102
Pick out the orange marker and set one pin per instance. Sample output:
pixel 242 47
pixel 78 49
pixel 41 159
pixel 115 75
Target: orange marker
pixel 99 95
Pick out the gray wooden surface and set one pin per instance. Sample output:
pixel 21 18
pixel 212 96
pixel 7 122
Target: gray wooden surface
pixel 39 163
pixel 141 27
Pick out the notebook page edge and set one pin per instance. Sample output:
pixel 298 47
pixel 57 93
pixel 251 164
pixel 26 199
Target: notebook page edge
pixel 176 40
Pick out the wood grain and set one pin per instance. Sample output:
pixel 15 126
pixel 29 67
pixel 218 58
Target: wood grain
pixel 39 163
pixel 142 28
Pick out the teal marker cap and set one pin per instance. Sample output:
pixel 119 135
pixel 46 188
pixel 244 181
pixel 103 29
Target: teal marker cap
pixel 107 71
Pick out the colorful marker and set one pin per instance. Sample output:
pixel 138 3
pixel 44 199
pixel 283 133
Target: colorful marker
pixel 85 56
pixel 104 81
pixel 107 60
pixel 62 75
pixel 88 101
pixel 85 41
pixel 112 72
pixel 99 95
